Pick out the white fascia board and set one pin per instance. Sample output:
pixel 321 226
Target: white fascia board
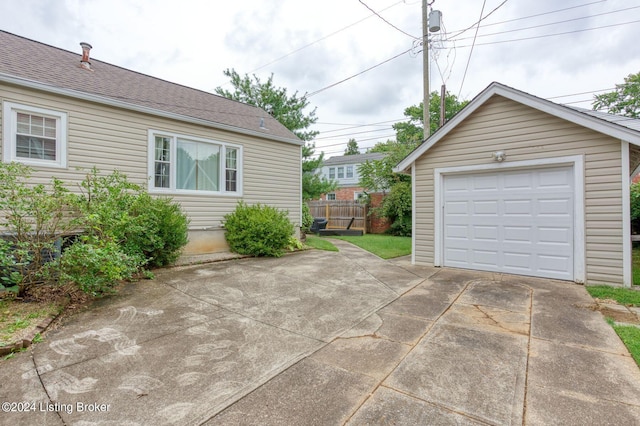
pixel 146 110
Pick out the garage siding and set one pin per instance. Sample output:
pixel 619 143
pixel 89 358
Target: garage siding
pixel 109 137
pixel 528 134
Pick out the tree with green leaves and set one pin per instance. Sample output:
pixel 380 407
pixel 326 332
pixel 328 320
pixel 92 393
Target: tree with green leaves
pixel 290 111
pixel 352 148
pixel 624 100
pixel 378 175
pixel 412 131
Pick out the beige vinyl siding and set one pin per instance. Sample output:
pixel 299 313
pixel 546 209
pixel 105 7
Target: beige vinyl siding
pixel 112 138
pixel 528 134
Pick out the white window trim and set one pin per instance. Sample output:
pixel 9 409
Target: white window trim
pixel 576 161
pixel 222 172
pixel 9 124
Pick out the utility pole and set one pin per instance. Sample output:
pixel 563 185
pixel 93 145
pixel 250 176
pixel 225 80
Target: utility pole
pixel 427 27
pixel 425 68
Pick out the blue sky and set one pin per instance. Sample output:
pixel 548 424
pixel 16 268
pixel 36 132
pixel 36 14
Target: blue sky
pixel 547 48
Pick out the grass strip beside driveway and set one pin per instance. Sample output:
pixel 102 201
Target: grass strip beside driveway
pixel 382 245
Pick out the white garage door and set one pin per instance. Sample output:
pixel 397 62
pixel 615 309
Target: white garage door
pixel 517 222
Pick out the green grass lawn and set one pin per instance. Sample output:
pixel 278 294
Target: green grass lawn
pixel 636 265
pixel 385 246
pixel 320 243
pixel 621 295
pixel 630 335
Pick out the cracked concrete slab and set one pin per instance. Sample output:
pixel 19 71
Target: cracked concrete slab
pixel 565 369
pixel 397 328
pixel 370 356
pixel 325 338
pixel 309 393
pixel 178 377
pixel 469 371
pixel 388 407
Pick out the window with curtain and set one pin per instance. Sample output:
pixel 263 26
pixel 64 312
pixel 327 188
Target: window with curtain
pixel 188 164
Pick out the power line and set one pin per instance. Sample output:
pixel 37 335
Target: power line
pixel 551 35
pixel 389 23
pixel 482 18
pixel 351 134
pixel 528 17
pixel 322 38
pixel 549 24
pixel 472 45
pixel 356 75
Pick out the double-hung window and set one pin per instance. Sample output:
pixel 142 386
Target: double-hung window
pixel 340 172
pixel 180 163
pixel 332 172
pixel 34 136
pixel 349 172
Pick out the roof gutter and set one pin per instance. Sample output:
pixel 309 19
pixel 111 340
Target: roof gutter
pixel 5 78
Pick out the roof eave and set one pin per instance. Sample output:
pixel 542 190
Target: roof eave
pixel 31 84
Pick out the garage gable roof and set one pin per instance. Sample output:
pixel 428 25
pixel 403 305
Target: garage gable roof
pixel 616 126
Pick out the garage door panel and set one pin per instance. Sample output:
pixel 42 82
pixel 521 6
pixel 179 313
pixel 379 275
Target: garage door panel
pixel 515 222
pixel 518 181
pixel 520 262
pixel 555 235
pixel 518 234
pixel 485 233
pixel 485 207
pixel 485 258
pixel 555 207
pixel 556 179
pixel 484 183
pixel 517 207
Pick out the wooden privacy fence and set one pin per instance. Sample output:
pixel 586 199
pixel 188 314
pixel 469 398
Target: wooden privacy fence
pixel 339 213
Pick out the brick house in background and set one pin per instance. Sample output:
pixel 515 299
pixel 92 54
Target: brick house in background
pixel 344 170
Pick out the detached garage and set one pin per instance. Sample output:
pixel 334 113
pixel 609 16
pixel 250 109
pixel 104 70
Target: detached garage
pixel 520 185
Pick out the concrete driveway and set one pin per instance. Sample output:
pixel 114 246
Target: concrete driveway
pixel 319 338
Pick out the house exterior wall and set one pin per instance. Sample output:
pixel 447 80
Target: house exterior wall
pixel 345 193
pixel 528 134
pixel 111 138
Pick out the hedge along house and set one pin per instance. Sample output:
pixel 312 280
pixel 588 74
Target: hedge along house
pixel 518 184
pixel 64 113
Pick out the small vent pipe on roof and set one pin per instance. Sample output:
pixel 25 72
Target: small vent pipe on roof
pixel 86 49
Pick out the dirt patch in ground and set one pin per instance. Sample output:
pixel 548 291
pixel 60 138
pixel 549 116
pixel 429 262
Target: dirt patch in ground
pixel 22 317
pixel 618 313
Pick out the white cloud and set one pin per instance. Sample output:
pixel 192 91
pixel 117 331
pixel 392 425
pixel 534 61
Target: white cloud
pixel 309 45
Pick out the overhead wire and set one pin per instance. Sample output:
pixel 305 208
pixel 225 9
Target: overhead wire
pixel 383 19
pixel 530 16
pixel 466 68
pixel 551 35
pixel 548 24
pixel 322 38
pixel 358 74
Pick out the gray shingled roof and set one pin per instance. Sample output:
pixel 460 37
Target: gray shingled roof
pixel 353 159
pixel 26 60
pixel 621 120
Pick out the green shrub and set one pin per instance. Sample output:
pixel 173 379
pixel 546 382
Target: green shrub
pixel 258 230
pixel 396 206
pixel 97 266
pixel 117 210
pixel 307 219
pixel 33 217
pixel 161 230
